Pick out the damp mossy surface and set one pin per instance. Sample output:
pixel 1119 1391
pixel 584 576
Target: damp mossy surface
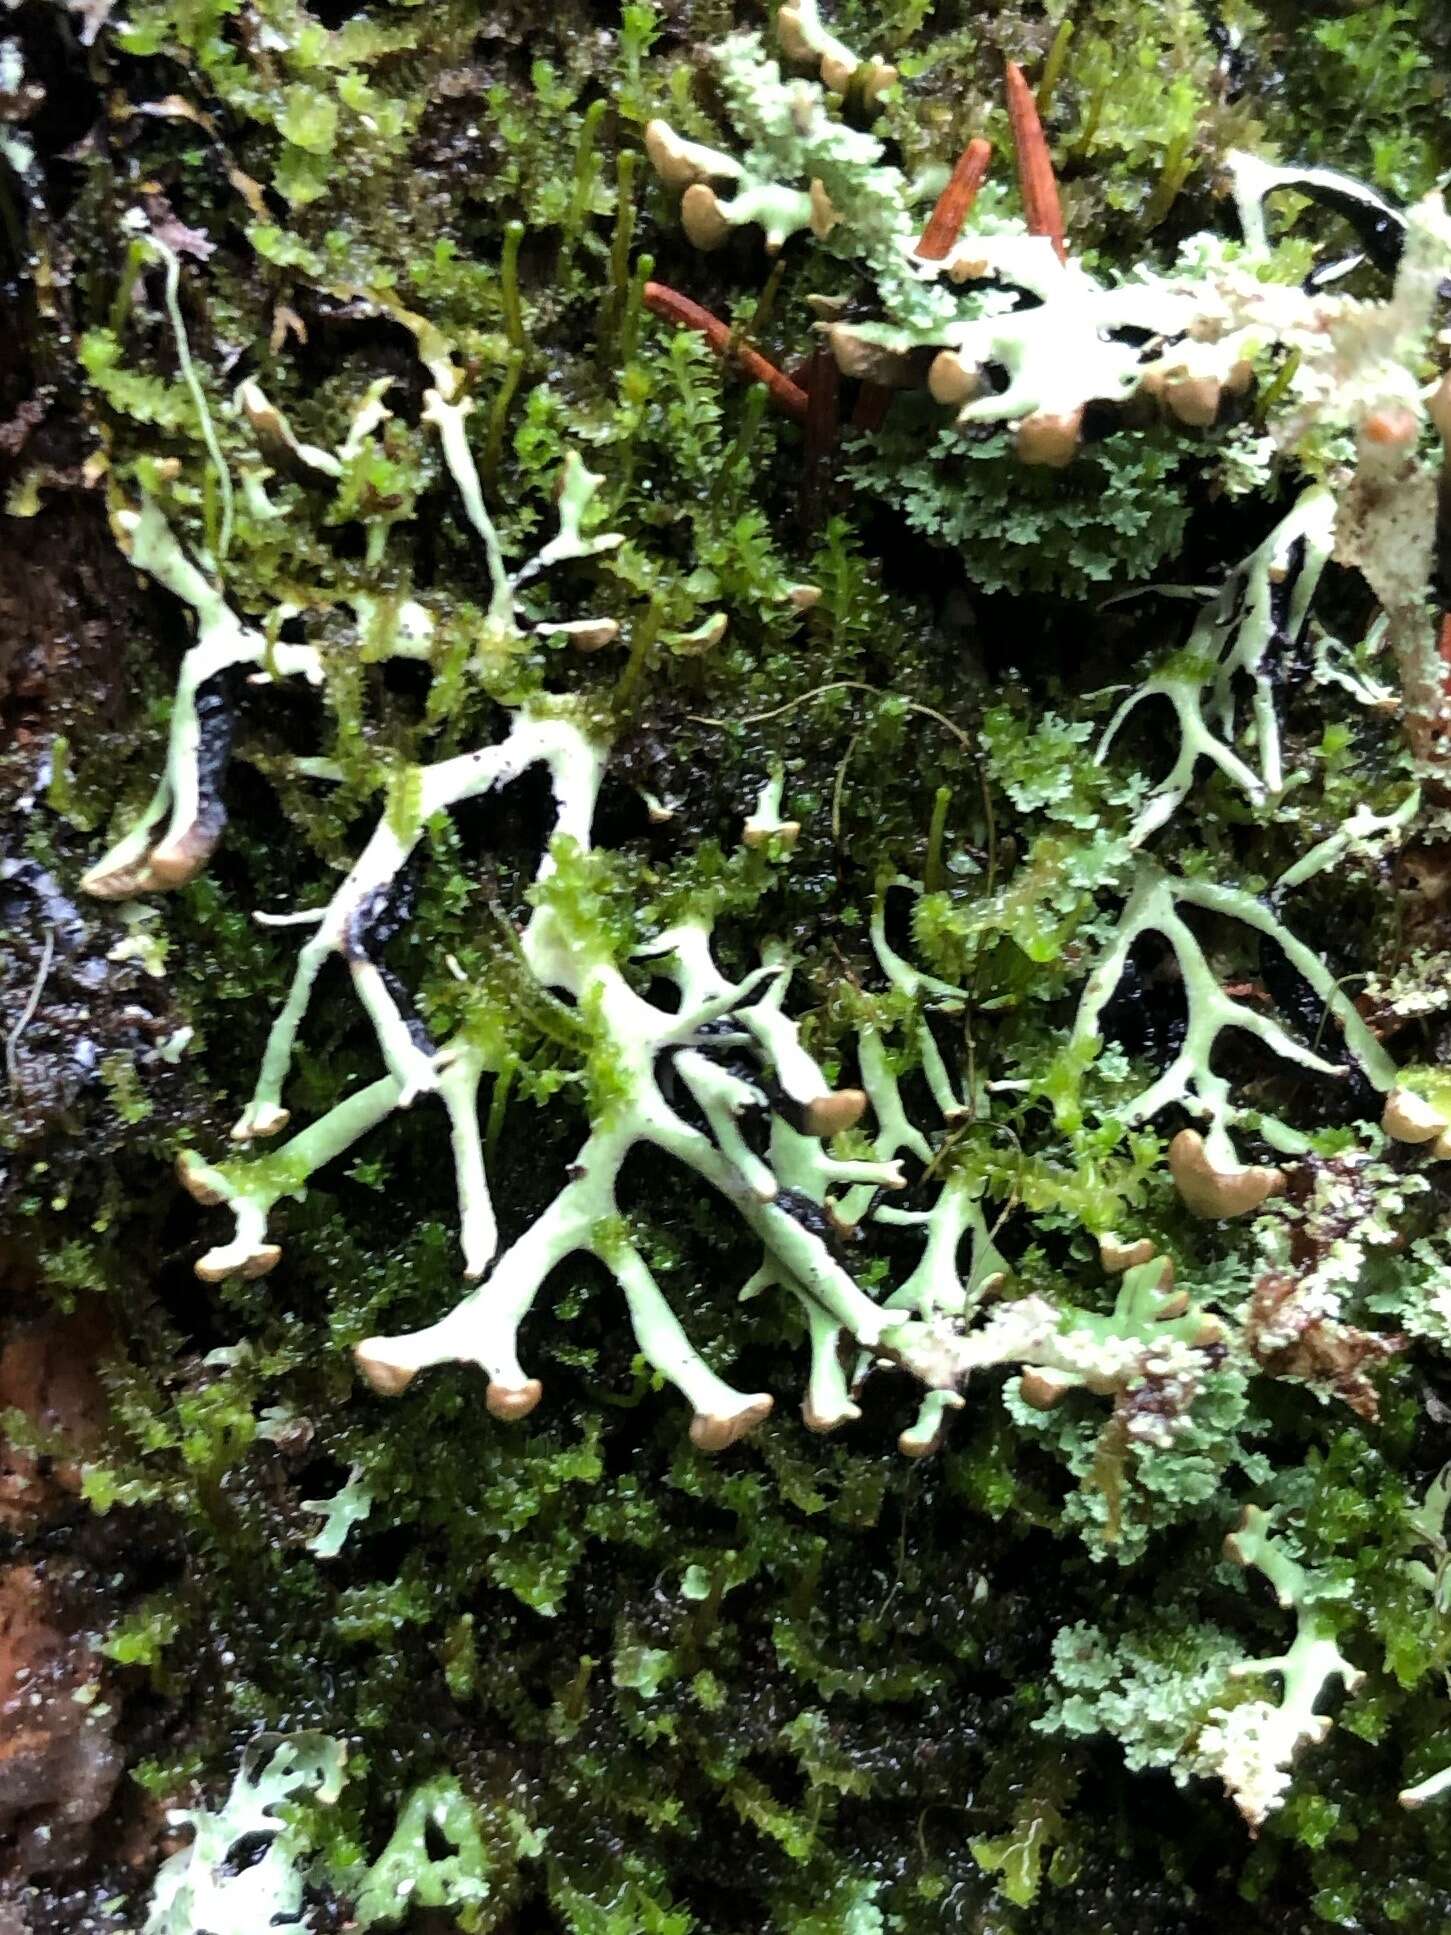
pixel 570 1670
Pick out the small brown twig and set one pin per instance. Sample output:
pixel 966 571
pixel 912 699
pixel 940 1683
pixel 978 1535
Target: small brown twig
pixel 822 429
pixel 954 204
pixel 870 409
pixel 671 306
pixel 1038 183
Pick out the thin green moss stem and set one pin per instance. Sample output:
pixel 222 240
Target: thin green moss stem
pixel 498 1110
pixel 509 287
pixel 646 631
pixel 172 263
pixel 1277 387
pixel 121 301
pixel 586 175
pixel 1178 160
pixel 753 414
pixel 933 878
pixel 617 293
pixel 750 329
pixel 634 303
pixel 1088 133
pixel 1053 67
pixel 499 416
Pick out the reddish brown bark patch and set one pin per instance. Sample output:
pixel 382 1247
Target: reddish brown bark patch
pixel 58 1763
pixel 49 1373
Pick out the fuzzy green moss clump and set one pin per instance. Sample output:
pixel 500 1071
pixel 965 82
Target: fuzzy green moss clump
pixel 739 1003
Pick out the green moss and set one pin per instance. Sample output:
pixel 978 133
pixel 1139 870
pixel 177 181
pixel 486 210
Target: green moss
pixel 800 1687
pixel 1117 515
pixel 1366 93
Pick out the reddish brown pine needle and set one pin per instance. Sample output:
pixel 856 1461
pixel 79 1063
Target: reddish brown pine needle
pixel 1039 185
pixel 1443 645
pixel 671 306
pixel 954 204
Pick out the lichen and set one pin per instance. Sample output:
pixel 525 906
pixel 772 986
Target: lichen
pixel 934 956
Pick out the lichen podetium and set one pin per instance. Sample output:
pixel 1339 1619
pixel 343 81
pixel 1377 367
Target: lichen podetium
pixel 826 1253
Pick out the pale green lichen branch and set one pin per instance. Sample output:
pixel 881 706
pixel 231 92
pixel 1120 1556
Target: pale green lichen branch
pixel 642 1041
pixel 766 825
pixel 1366 834
pixel 584 1216
pixel 577 490
pixel 1208 1169
pixel 1252 1745
pixel 187 796
pixel 938 1286
pixel 939 1292
pixel 1430 1789
pixel 922 990
pixel 804 37
pixel 811 1175
pixel 171 263
pixel 1433 1576
pixel 243 1869
pixel 1253 180
pixel 1079 343
pixel 253 1189
pixel 803 168
pixel 1264 604
pixel 1153 1330
pixel 418 793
